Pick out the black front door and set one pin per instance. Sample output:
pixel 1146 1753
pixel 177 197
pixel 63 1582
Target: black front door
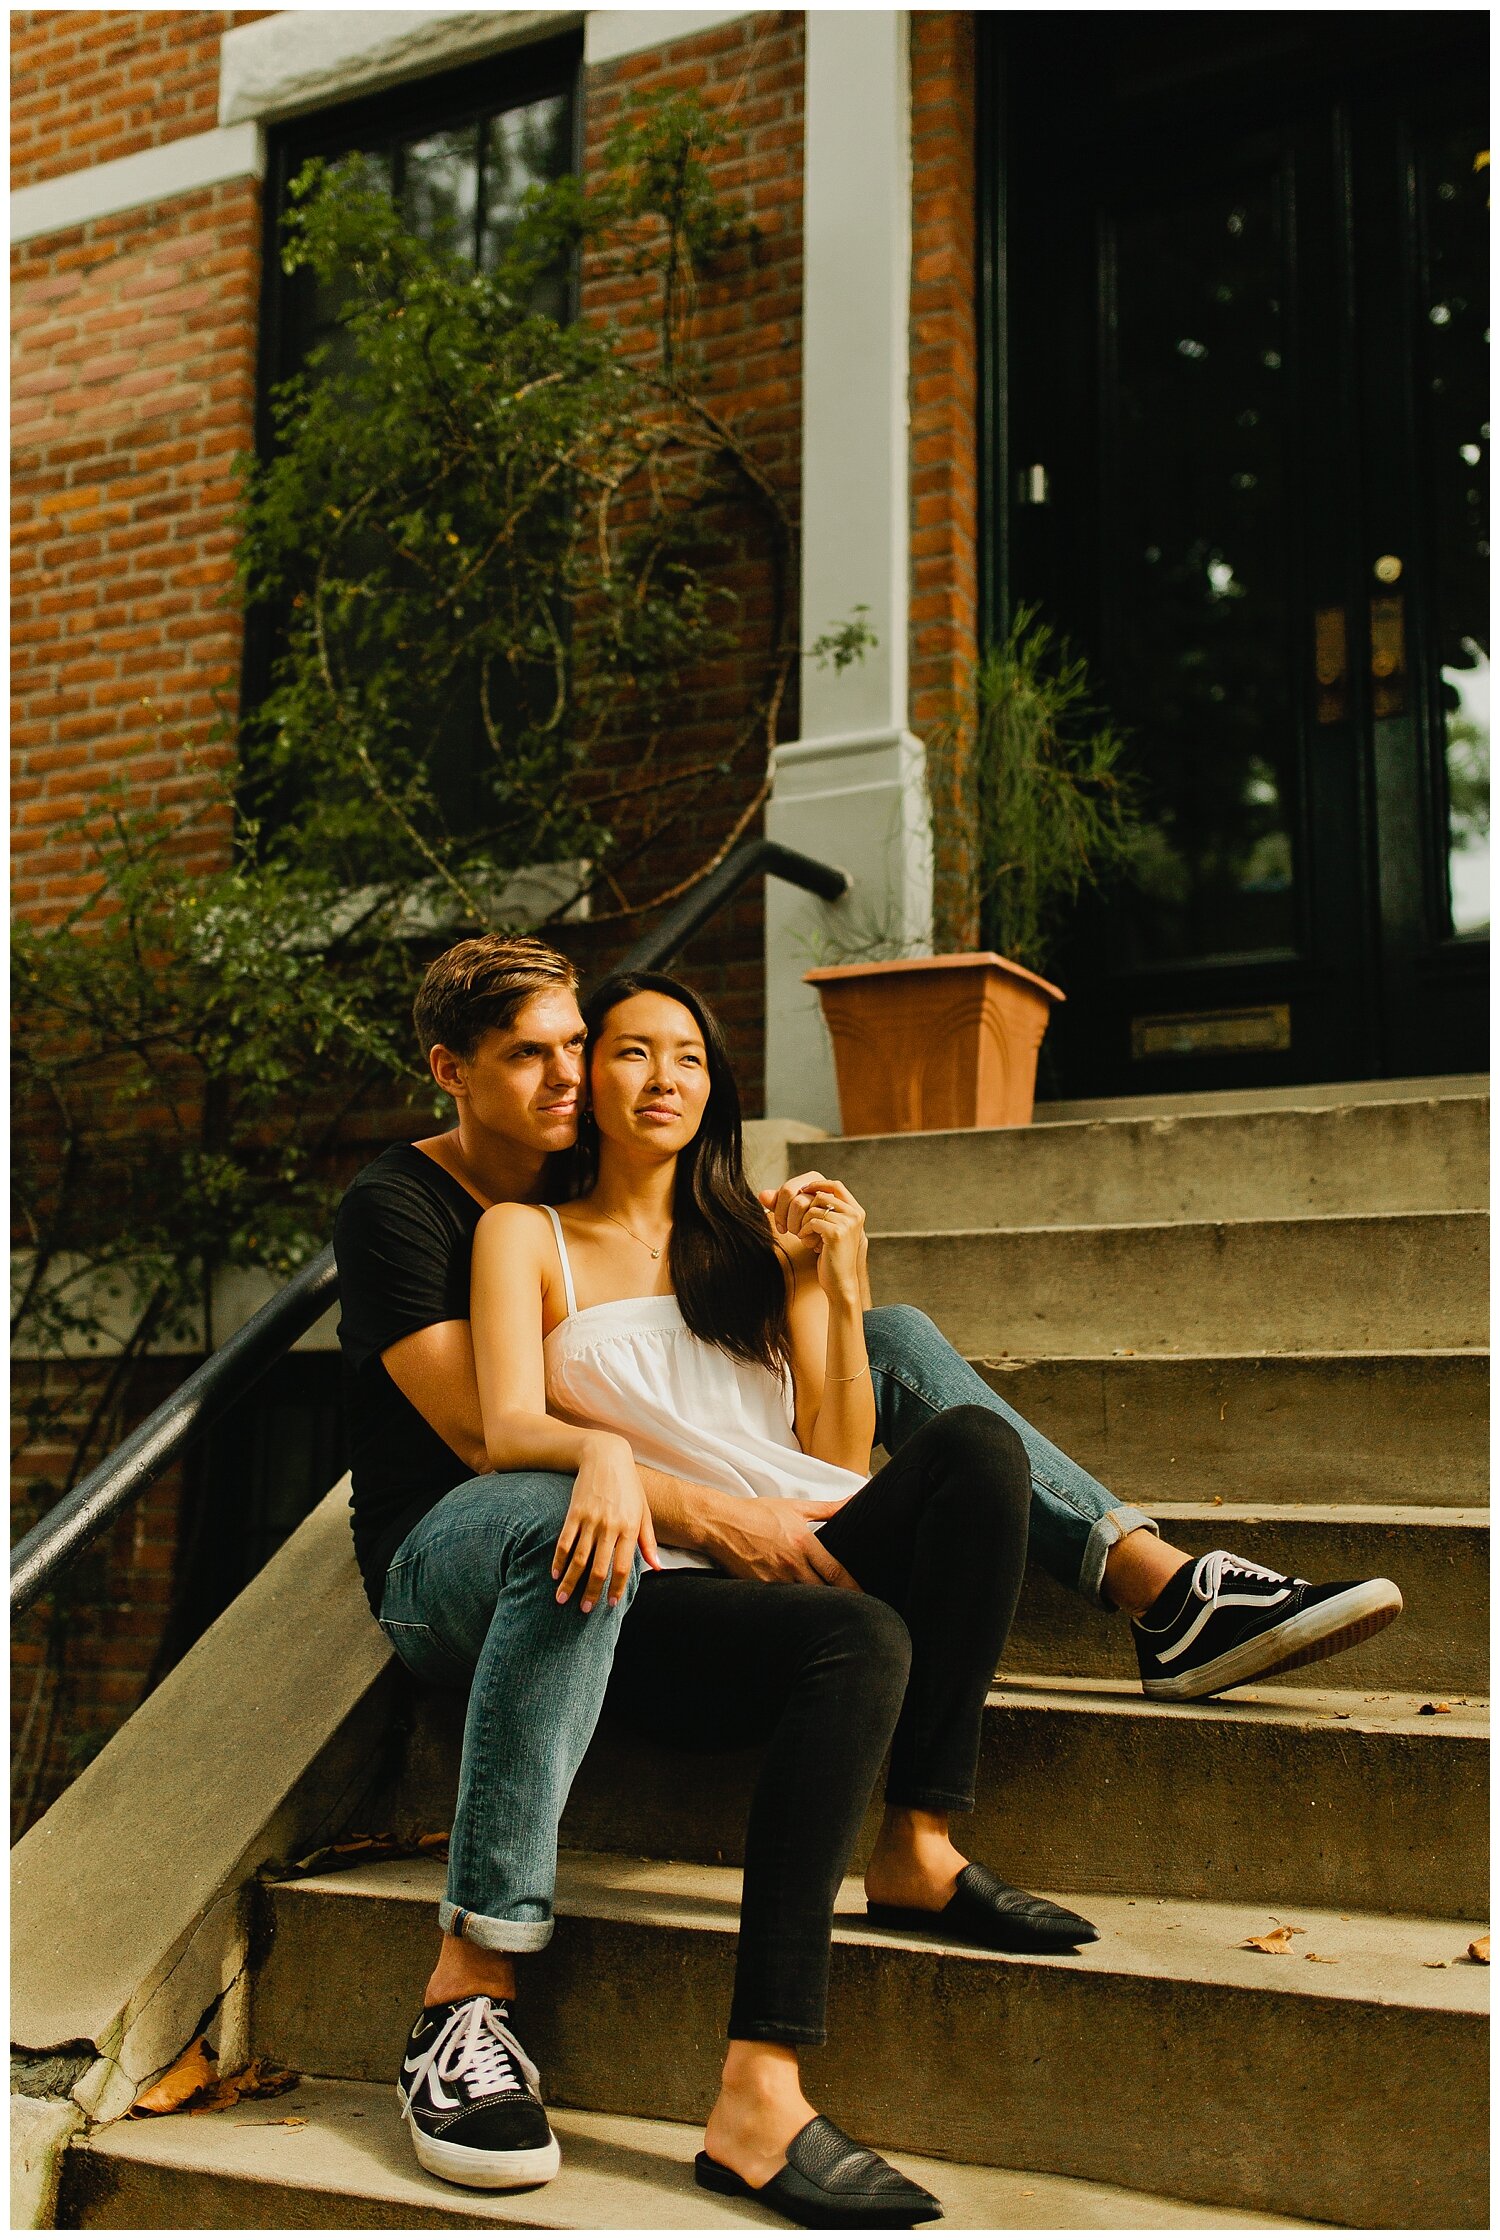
pixel 1241 461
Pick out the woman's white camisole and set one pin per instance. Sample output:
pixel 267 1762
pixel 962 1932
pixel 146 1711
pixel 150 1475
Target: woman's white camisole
pixel 633 1366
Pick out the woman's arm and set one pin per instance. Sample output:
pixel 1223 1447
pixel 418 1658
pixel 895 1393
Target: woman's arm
pixel 608 1517
pixel 835 1400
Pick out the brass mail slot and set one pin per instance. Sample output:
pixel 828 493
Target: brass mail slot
pixel 1191 1034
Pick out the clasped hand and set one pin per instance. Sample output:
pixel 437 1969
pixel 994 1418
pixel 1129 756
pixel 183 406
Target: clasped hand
pixel 608 1519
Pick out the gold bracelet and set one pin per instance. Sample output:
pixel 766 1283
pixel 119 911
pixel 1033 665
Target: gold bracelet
pixel 851 1378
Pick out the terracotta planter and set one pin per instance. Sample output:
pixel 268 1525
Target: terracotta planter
pixel 935 1042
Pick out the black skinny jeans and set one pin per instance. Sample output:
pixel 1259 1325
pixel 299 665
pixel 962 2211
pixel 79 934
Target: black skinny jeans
pixel 829 1679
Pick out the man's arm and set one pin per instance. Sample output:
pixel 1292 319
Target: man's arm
pixel 434 1370
pixel 748 1538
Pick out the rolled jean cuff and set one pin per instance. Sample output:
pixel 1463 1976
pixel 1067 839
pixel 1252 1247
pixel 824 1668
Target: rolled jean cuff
pixel 1111 1527
pixel 489 1932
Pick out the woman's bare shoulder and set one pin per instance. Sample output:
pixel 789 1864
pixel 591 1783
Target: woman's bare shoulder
pixel 510 1223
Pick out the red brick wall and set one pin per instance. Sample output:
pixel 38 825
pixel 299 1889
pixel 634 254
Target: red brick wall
pixel 90 85
pixel 133 388
pixel 944 454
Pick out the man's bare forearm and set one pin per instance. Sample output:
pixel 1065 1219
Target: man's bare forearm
pixel 689 1516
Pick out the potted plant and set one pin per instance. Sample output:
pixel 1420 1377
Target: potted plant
pixel 952 1041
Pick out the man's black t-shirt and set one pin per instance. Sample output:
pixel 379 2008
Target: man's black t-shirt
pixel 403 1238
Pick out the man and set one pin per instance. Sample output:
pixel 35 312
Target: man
pixel 496 1611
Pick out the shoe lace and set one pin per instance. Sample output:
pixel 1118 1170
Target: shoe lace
pixel 1209 1572
pixel 475 2047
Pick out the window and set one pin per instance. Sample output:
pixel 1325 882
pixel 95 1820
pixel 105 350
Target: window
pixel 459 154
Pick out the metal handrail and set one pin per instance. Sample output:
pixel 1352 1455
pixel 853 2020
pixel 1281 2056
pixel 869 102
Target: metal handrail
pixel 226 1376
pixel 738 868
pixel 57 1539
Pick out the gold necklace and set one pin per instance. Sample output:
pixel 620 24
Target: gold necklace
pixel 655 1250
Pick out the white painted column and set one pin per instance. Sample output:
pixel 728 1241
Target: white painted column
pixel 853 789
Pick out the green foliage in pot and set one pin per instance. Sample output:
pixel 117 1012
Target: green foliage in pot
pixel 1059 810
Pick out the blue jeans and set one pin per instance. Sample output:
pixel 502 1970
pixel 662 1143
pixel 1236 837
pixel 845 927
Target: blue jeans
pixel 917 1374
pixel 470 1602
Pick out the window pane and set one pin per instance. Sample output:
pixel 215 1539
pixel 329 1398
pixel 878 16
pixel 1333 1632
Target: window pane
pixel 524 148
pixel 440 188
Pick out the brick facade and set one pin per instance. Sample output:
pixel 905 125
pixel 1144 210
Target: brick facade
pixel 134 369
pixel 90 85
pixel 944 636
pixel 133 389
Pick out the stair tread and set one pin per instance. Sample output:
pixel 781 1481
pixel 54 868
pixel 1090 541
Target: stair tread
pixel 1277 1221
pixel 619 2173
pixel 1385 1357
pixel 1419 1515
pixel 1378 1959
pixel 1224 1103
pixel 1356 1710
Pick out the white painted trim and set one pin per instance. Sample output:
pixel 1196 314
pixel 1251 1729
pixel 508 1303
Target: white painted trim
pixel 201 159
pixel 853 789
pixel 313 58
pixel 609 33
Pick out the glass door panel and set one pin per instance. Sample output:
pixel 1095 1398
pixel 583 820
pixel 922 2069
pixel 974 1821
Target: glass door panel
pixel 1452 344
pixel 1200 505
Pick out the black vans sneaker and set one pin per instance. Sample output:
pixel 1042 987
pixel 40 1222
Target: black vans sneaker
pixel 469 2095
pixel 1221 1621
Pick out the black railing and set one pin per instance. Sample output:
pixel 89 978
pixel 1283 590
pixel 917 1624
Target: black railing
pixel 59 1537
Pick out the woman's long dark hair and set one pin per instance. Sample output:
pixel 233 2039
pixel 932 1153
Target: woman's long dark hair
pixel 725 1269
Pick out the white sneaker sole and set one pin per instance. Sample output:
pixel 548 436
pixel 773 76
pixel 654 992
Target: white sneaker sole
pixel 494 2172
pixel 1321 1632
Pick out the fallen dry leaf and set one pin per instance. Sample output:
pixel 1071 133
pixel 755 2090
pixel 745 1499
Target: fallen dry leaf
pixel 1430 1710
pixel 1275 1940
pixel 1480 1950
pixel 193 2086
pixel 371 1849
pixel 189 2073
pixel 1324 1959
pixel 1218 1500
pixel 1341 1714
pixel 1434 1963
pixel 256 2081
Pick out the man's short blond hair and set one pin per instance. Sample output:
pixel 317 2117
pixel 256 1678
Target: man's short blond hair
pixel 483 983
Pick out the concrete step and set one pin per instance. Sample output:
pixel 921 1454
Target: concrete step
pixel 1386 1282
pixel 1438 1557
pixel 1406 1156
pixel 345 2163
pixel 1085 1785
pixel 1373 1427
pixel 1162 2056
pixel 1311 1096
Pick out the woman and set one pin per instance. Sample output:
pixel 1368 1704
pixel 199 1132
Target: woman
pixel 656 1320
